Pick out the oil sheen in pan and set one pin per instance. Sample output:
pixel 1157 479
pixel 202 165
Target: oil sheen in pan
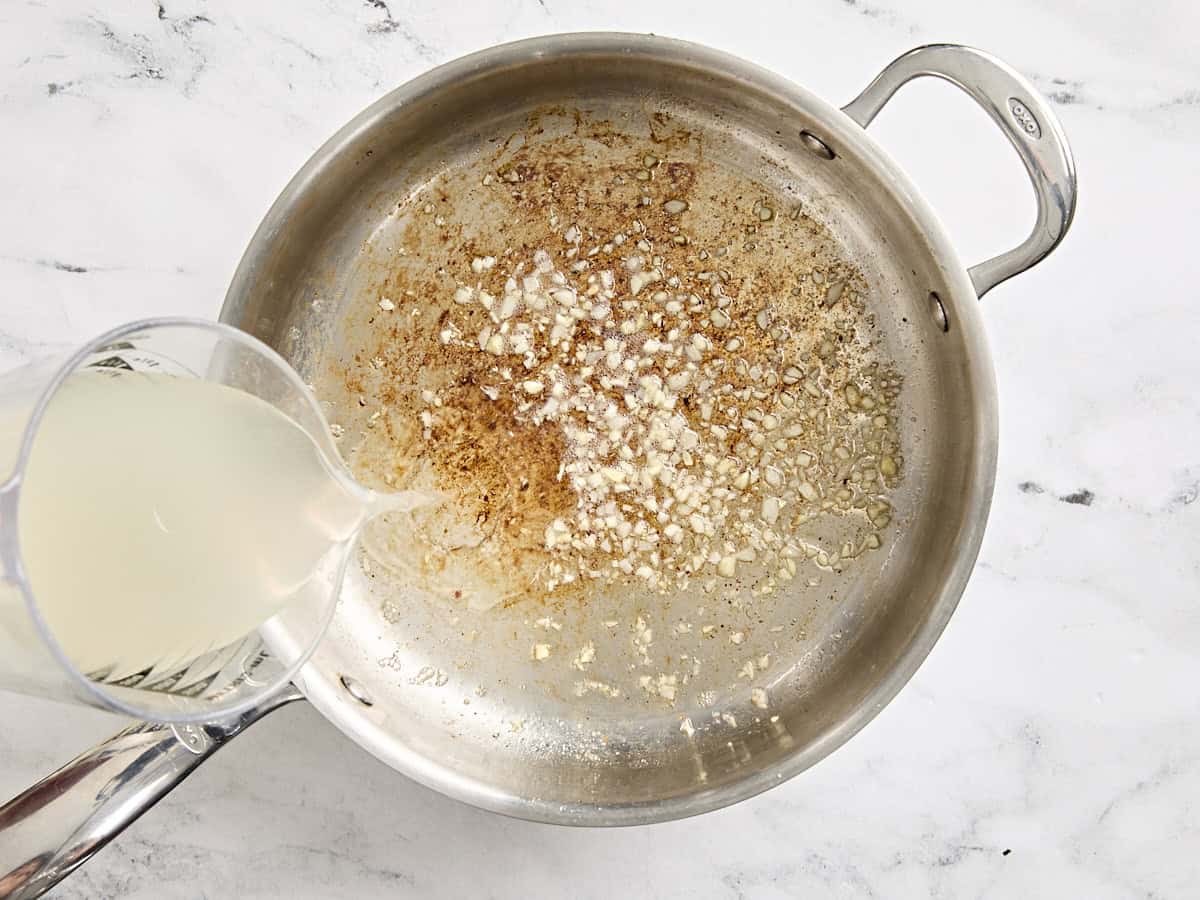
pixel 802 450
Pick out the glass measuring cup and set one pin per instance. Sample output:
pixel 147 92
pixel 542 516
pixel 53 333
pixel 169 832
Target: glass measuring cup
pixel 204 682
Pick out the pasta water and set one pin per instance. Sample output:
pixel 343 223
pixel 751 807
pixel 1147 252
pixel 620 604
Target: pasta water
pixel 162 517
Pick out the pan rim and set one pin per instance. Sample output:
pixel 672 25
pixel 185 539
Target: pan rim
pixel 321 688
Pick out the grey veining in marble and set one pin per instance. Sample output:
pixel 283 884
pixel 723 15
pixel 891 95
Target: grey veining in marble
pixel 1050 746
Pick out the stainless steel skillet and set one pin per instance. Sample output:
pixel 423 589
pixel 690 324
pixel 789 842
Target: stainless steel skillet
pixel 462 714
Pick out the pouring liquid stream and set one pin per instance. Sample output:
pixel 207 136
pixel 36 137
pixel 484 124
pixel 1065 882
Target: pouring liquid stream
pixel 161 517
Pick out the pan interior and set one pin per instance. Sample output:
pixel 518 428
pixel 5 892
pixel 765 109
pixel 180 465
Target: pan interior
pixel 395 209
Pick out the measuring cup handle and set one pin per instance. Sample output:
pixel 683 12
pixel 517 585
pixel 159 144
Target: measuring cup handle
pixel 56 825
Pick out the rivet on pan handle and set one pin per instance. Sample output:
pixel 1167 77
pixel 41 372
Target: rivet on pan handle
pixel 1027 121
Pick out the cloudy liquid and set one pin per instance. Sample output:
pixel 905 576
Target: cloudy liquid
pixel 162 517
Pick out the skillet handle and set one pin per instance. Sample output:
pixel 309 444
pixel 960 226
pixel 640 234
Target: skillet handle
pixel 56 825
pixel 1026 120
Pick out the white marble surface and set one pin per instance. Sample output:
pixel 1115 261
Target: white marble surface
pixel 1059 716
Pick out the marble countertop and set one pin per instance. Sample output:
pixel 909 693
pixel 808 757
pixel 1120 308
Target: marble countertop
pixel 1050 745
